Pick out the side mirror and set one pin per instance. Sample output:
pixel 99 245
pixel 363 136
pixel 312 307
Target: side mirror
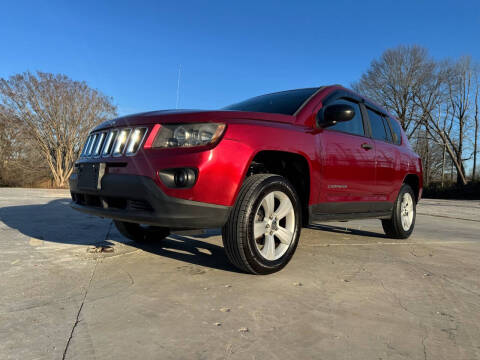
pixel 336 113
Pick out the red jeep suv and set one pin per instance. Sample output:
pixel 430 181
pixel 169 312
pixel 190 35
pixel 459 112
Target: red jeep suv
pixel 259 169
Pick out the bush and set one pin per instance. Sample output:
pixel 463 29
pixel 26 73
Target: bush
pixel 471 191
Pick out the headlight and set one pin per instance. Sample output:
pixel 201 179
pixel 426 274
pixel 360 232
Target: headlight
pixel 187 135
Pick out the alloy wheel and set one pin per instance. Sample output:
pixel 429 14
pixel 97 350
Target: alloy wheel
pixel 406 211
pixel 274 225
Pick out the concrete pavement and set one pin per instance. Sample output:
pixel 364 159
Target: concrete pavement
pixel 348 293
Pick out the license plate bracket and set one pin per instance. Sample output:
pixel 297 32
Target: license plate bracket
pixel 90 176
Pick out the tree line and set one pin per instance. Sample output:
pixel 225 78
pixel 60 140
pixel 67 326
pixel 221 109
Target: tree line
pixel 45 118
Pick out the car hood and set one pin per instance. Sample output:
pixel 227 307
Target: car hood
pixel 191 116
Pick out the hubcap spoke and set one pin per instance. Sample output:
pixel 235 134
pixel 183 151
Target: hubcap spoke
pixel 259 229
pixel 268 250
pixel 268 204
pixel 285 236
pixel 284 208
pixel 275 228
pixel 406 211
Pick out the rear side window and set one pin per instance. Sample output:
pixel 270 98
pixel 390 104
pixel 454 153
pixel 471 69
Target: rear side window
pixel 378 126
pixel 354 126
pixel 397 132
pixel 387 129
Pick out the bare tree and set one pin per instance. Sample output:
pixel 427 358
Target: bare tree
pixel 440 130
pixel 396 81
pixel 20 163
pixel 433 101
pixel 392 81
pixel 57 113
pixel 475 133
pixel 433 96
pixel 460 90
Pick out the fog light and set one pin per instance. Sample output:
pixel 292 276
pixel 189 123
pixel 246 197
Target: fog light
pixel 181 177
pixel 178 178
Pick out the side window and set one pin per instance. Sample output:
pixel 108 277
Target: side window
pixel 387 129
pixel 377 125
pixel 397 132
pixel 354 126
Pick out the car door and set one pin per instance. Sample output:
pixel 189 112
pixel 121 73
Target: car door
pixel 348 164
pixel 386 160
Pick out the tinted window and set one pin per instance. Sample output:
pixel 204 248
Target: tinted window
pixel 285 102
pixel 387 129
pixel 377 124
pixel 397 132
pixel 354 126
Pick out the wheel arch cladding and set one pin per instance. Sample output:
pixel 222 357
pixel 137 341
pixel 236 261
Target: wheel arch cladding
pixel 293 166
pixel 414 182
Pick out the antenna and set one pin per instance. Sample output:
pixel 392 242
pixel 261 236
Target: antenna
pixel 178 85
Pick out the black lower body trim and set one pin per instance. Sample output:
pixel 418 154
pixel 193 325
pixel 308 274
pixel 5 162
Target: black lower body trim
pixel 338 211
pixel 138 199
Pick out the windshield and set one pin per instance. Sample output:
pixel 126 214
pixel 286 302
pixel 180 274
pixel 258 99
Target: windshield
pixel 285 102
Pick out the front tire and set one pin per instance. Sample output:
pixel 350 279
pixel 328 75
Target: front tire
pixel 263 228
pixel 140 233
pixel 401 225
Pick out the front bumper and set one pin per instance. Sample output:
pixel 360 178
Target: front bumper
pixel 137 199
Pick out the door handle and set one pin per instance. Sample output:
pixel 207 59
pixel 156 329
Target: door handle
pixel 366 146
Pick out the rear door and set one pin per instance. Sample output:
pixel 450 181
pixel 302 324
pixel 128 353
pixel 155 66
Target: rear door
pixel 386 160
pixel 348 164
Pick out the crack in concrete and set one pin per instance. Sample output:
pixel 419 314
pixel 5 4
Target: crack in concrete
pixel 447 279
pixel 132 281
pixel 77 319
pixel 397 299
pixel 424 348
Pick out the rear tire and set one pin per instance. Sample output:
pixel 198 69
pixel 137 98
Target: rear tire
pixel 141 234
pixel 401 225
pixel 264 225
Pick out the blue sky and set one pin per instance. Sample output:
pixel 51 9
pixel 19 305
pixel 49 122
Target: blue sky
pixel 229 50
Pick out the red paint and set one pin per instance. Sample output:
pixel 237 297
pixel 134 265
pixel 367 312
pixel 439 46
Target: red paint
pixel 335 159
pixel 345 162
pixel 151 136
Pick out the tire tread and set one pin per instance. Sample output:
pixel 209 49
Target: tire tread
pixel 392 227
pixel 233 239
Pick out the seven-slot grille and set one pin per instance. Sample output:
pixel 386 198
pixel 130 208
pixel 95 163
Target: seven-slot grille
pixel 114 142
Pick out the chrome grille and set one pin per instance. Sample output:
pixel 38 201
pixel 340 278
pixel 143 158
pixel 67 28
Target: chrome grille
pixel 107 148
pixel 92 143
pixel 115 142
pixel 136 138
pixel 121 142
pixel 99 144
